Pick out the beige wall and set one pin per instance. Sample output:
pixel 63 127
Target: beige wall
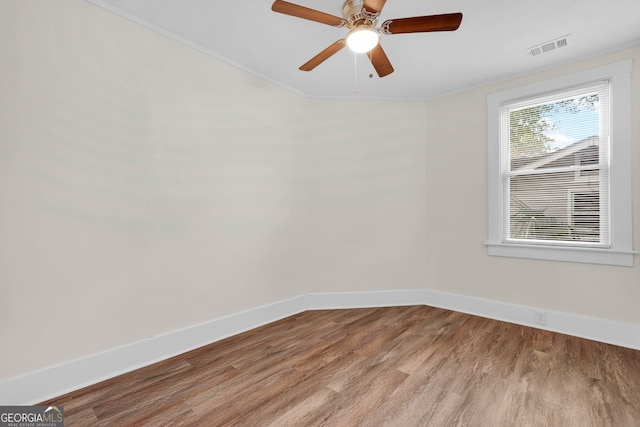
pixel 457 256
pixel 146 187
pixel 364 204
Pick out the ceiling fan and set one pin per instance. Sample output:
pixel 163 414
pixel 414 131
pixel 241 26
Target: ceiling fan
pixel 360 17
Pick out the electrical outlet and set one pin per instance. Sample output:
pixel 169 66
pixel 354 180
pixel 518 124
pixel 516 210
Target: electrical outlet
pixel 540 317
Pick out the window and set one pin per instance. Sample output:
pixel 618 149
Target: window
pixel 559 168
pixel 553 146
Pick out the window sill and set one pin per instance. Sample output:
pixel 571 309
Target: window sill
pixel 555 253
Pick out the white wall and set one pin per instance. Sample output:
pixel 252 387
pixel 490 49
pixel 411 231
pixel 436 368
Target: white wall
pixel 457 184
pixel 369 243
pixel 146 187
pixel 363 200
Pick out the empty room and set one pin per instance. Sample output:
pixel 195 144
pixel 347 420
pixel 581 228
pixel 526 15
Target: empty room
pixel 337 213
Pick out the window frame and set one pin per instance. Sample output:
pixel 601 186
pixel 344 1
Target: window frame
pixel 620 250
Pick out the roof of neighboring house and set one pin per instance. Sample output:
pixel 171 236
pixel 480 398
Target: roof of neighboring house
pixel 537 162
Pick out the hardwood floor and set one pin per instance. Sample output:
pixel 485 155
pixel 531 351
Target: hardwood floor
pixel 397 366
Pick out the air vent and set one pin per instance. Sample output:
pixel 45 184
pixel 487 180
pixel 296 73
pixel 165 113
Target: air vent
pixel 548 46
pixel 535 51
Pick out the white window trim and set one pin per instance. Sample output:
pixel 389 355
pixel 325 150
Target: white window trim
pixel 621 250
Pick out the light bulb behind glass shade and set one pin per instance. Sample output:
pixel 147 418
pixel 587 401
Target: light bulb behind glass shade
pixel 362 40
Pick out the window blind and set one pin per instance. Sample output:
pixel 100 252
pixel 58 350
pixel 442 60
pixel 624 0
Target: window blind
pixel 555 167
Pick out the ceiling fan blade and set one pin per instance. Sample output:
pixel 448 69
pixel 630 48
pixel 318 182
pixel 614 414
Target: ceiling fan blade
pixel 298 11
pixel 374 6
pixel 322 56
pixel 380 61
pixel 423 24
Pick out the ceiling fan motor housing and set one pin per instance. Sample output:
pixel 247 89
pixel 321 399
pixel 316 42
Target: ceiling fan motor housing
pixel 352 7
pixel 356 15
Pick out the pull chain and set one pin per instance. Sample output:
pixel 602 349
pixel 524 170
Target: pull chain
pixel 355 72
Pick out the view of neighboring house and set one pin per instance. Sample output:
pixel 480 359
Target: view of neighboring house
pixel 567 205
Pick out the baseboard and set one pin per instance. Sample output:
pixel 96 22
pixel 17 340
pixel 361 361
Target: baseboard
pixel 607 331
pixel 38 386
pixel 617 333
pixel 335 300
pixel 54 381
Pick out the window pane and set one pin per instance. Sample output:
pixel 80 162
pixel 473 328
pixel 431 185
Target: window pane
pixel 540 129
pixel 539 207
pixel 555 173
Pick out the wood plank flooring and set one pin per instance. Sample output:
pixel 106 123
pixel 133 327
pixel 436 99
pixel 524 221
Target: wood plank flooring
pixel 396 366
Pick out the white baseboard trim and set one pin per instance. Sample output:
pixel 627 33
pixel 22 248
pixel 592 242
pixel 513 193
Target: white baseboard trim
pixel 54 381
pixel 335 300
pixel 610 332
pixel 45 384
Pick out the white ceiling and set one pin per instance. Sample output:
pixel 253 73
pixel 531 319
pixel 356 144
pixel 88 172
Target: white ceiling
pixel 491 44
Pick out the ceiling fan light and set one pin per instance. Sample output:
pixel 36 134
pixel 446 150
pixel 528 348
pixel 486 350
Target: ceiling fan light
pixel 361 40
